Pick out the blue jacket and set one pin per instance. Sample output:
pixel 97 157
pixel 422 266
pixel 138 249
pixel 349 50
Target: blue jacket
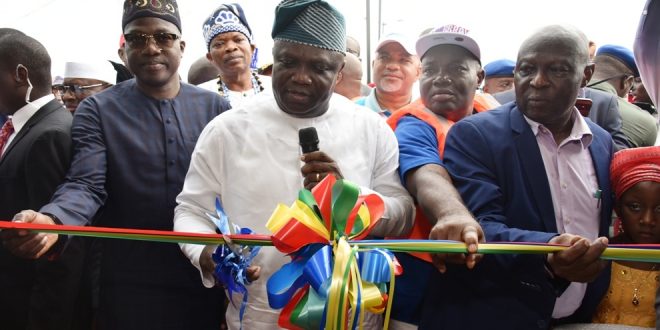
pixel 496 165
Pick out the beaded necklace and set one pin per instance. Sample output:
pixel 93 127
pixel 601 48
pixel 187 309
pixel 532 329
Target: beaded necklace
pixel 256 86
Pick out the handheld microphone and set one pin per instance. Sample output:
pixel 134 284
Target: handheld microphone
pixel 309 140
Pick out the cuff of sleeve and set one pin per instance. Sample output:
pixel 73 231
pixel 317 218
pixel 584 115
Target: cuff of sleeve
pixel 559 284
pixel 195 251
pixel 61 244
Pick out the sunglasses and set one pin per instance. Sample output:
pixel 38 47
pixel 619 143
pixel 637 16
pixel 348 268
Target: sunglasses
pixel 140 40
pixel 75 89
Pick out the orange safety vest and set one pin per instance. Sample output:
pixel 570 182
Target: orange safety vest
pixel 482 102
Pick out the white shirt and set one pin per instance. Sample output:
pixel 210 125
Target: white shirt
pixel 236 99
pixel 22 115
pixel 250 156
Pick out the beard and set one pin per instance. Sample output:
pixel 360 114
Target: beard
pixel 390 85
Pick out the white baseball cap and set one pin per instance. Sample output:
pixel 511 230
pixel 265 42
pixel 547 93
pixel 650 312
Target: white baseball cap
pixel 447 35
pixel 398 38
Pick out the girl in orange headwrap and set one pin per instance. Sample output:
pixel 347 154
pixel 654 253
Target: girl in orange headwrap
pixel 635 176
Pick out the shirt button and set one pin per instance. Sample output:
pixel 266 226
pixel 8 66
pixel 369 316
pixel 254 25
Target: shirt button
pixel 563 186
pixel 170 140
pixel 168 121
pixel 171 163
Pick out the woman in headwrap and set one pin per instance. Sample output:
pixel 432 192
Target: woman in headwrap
pixel 635 176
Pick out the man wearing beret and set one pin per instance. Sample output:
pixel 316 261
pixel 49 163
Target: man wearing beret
pixel 615 73
pixel 498 76
pixel 231 49
pixel 132 147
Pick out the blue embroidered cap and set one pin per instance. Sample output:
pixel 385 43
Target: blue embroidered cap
pixel 622 54
pixel 310 22
pixel 226 18
pixel 500 68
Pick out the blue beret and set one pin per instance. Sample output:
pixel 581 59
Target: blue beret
pixel 622 54
pixel 500 68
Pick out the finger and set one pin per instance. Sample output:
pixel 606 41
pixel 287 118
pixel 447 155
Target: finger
pixel 316 156
pixel 30 248
pixel 25 216
pixel 253 273
pixel 439 262
pixel 595 250
pixel 16 240
pixel 472 260
pixel 471 238
pixel 439 232
pixel 572 253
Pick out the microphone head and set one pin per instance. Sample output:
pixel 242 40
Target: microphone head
pixel 309 139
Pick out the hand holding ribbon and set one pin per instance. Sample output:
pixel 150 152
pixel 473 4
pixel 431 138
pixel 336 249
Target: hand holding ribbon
pixel 233 270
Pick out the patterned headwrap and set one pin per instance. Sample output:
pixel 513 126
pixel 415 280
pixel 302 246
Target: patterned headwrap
pixel 163 9
pixel 310 22
pixel 226 18
pixel 631 166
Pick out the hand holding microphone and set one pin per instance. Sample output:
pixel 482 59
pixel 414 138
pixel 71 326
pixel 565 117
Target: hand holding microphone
pixel 317 163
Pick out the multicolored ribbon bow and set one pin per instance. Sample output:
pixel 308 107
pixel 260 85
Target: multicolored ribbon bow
pixel 232 260
pixel 329 283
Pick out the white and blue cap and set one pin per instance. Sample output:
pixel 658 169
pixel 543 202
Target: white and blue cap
pixel 448 35
pixel 226 18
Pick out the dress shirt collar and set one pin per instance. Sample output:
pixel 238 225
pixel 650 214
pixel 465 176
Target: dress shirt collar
pixel 22 115
pixel 579 132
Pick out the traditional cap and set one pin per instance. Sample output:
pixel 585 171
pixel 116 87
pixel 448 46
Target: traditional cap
pixel 226 18
pixel 163 9
pixel 101 70
pixel 398 38
pixel 622 54
pixel 500 68
pixel 634 165
pixel 447 35
pixel 310 22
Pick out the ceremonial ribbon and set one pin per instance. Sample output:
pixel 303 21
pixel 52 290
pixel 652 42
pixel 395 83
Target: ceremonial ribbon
pixel 329 283
pixel 624 252
pixel 232 260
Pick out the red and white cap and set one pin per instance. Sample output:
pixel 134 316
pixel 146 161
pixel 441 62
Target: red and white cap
pixel 447 35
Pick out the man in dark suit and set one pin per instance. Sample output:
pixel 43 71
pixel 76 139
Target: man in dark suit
pixel 132 147
pixel 604 112
pixel 35 152
pixel 531 171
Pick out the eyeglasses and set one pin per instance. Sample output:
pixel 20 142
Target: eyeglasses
pixel 140 40
pixel 75 89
